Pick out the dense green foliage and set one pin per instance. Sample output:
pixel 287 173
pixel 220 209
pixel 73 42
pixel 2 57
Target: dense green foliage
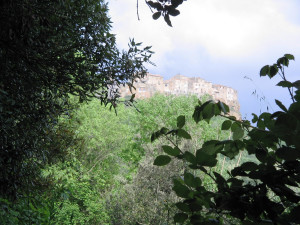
pixel 49 50
pixel 107 176
pixel 149 199
pixel 265 190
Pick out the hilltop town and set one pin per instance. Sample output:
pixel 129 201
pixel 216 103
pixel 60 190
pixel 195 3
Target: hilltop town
pixel 182 85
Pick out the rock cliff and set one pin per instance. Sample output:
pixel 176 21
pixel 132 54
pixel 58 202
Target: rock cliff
pixel 182 85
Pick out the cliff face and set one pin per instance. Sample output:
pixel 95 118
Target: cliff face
pixel 182 85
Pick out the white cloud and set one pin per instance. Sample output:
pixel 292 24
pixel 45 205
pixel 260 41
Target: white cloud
pixel 228 29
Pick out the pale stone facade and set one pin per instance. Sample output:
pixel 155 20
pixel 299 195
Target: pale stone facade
pixel 182 85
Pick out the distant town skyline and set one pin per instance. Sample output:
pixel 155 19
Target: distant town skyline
pixel 183 85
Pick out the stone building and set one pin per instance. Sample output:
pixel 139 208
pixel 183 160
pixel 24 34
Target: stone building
pixel 182 85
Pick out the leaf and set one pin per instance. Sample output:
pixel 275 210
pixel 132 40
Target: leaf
pixel 197 182
pixel 197 115
pixel 221 182
pixel 261 154
pixel 255 118
pixel 183 207
pixel 155 136
pixel 238 134
pixel 167 19
pixel 283 61
pixel 174 12
pixel 216 110
pixel 189 157
pixel 287 153
pixel 235 182
pixel 204 159
pixel 180 217
pixel 196 206
pixel 180 121
pixel 223 107
pixel 296 84
pixel 285 84
pixel 273 71
pixel 163 130
pixel 265 70
pixel 261 124
pixel 289 56
pixel 211 147
pixel 279 103
pixel 176 3
pixel 181 190
pixel 236 171
pixel 226 125
pixel 249 166
pixel 182 133
pixel 235 126
pixel 162 160
pixel 156 15
pixel 208 111
pixel 171 151
pixel 189 179
pixel 231 149
pixel 295 108
pixel 155 5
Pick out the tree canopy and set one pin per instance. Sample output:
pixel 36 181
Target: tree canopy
pixel 49 50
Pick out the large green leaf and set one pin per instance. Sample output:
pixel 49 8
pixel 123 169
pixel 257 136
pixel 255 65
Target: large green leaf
pixel 204 159
pixel 261 154
pixel 171 151
pixel 162 160
pixel 182 133
pixel 279 103
pixel 223 107
pixel 198 112
pixel 265 70
pixel 181 190
pixel 174 12
pixel 273 71
pixel 180 121
pixel 249 166
pixel 283 61
pixel 208 111
pixel 183 207
pixel 189 179
pixel 212 147
pixel 238 133
pixel 235 126
pixel 289 56
pixel 221 182
pixel 156 15
pixel 189 157
pixel 167 19
pixel 287 153
pixel 285 84
pixel 226 125
pixel 180 217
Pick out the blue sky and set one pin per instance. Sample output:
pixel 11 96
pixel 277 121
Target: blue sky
pixel 221 41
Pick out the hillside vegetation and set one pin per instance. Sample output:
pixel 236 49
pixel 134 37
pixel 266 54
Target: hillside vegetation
pixel 107 174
